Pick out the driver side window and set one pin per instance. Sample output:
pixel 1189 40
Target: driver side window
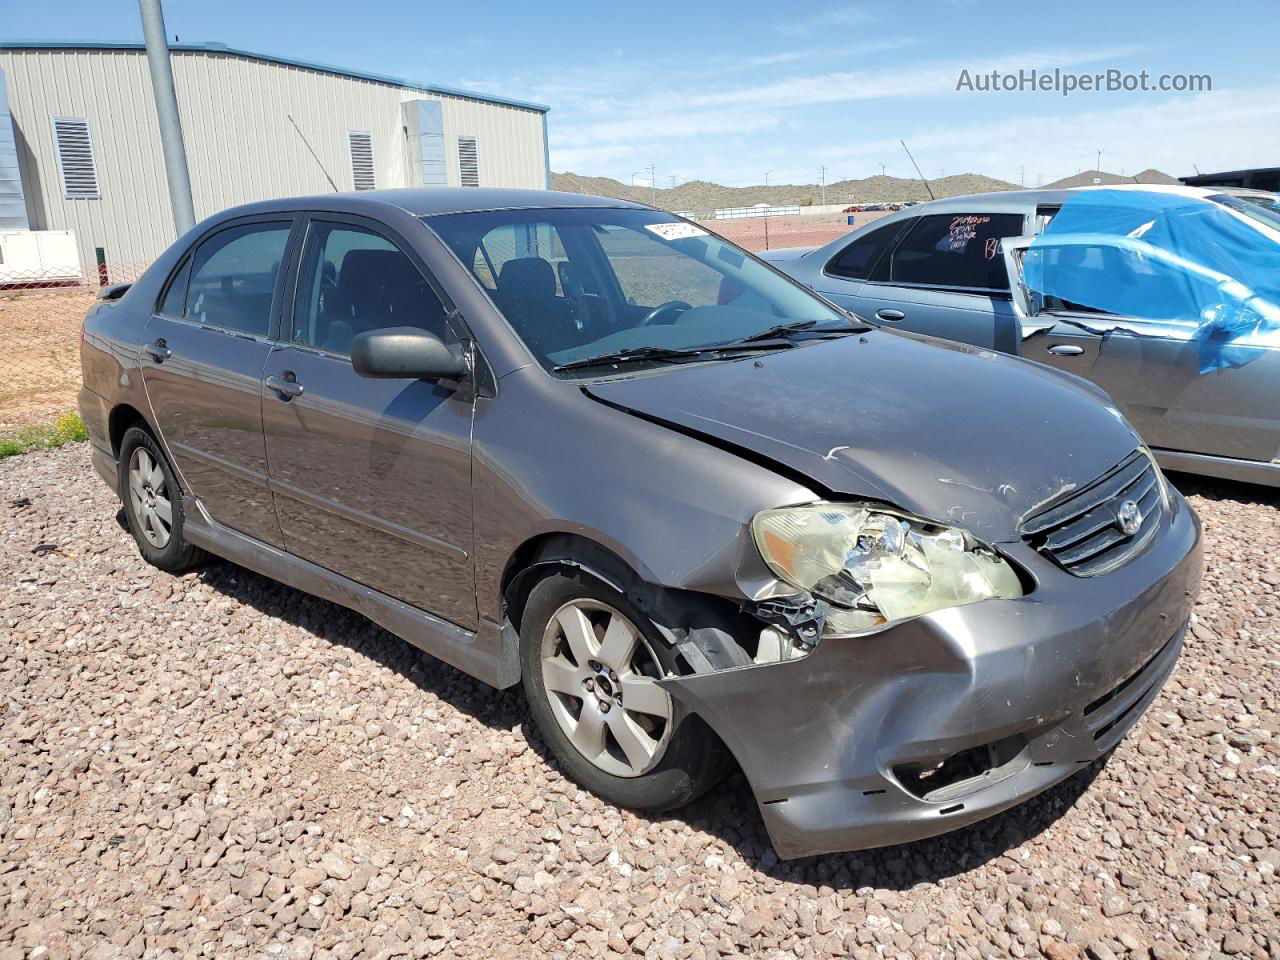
pixel 354 280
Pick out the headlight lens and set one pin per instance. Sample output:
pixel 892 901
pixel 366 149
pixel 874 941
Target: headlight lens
pixel 873 566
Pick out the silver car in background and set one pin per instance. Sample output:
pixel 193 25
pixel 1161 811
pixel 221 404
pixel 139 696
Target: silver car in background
pixel 1164 296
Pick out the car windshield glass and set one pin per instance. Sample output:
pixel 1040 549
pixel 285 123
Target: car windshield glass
pixel 586 282
pixel 1265 208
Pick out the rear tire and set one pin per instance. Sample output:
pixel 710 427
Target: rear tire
pixel 153 503
pixel 588 661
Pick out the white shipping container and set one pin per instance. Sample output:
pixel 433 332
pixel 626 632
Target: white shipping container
pixel 39 256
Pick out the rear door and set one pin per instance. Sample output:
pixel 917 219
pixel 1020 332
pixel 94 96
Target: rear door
pixel 372 477
pixel 946 277
pixel 845 275
pixel 205 348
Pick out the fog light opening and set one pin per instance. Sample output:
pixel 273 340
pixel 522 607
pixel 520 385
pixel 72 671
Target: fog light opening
pixel 963 772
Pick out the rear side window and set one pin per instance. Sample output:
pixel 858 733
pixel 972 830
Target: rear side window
pixel 956 250
pixel 858 259
pixel 233 277
pixel 355 280
pixel 175 294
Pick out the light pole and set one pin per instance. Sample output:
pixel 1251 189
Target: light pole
pixel 175 153
pixel 822 176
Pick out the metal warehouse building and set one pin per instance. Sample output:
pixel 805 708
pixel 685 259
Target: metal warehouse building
pixel 88 154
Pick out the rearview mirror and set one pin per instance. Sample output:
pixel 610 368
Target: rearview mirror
pixel 405 353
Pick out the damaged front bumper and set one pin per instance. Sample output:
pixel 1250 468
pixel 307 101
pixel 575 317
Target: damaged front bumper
pixel 957 715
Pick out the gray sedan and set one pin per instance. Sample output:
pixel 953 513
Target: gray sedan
pixel 1166 297
pixel 701 516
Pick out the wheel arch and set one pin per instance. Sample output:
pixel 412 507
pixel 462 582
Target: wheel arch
pixel 122 417
pixel 707 632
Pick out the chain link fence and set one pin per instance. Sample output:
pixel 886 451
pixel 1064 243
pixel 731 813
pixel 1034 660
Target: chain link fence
pixel 40 319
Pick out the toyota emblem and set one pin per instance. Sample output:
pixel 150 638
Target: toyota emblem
pixel 1129 518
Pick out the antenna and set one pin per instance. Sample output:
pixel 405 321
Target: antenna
pixel 313 154
pixel 917 166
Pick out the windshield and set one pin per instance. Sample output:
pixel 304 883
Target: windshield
pixel 1265 208
pixel 580 283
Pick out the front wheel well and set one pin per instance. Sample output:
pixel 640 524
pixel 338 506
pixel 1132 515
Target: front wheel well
pixel 707 632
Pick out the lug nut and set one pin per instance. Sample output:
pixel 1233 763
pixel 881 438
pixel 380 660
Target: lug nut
pixel 604 706
pixel 613 676
pixel 588 682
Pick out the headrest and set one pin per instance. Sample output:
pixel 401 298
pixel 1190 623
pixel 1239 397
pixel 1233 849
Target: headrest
pixel 527 277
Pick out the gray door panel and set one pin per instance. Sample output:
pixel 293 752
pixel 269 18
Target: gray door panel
pixel 205 399
pixel 979 319
pixel 372 479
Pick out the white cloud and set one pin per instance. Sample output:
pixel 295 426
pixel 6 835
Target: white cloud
pixel 847 16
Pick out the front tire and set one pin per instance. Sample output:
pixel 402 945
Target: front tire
pixel 153 503
pixel 589 659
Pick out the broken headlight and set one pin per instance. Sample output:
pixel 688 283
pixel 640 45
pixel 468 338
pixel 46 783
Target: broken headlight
pixel 873 566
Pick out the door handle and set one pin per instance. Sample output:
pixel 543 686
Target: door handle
pixel 158 351
pixel 886 313
pixel 287 386
pixel 1066 350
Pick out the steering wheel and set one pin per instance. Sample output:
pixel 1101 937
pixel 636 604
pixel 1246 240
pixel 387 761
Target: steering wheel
pixel 662 309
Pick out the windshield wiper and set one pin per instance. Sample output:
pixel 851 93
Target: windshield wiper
pixel 630 355
pixel 780 331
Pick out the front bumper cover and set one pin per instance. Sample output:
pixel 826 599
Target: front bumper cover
pixel 1053 679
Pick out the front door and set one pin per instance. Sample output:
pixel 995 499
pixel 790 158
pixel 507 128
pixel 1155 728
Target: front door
pixel 205 348
pixel 372 478
pixel 1131 321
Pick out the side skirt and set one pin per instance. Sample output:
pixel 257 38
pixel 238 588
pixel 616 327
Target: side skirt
pixel 1225 468
pixel 490 654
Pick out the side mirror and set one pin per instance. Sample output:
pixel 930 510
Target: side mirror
pixel 406 353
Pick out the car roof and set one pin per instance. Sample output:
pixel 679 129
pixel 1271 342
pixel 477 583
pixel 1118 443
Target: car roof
pixel 431 201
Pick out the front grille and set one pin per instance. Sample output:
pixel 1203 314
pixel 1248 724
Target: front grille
pixel 1084 532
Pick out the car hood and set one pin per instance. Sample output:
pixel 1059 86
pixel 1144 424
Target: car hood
pixel 782 254
pixel 949 432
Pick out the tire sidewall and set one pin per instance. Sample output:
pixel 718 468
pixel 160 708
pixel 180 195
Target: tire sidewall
pixel 692 760
pixel 176 552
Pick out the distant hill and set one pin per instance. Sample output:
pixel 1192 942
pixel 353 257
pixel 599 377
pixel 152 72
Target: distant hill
pixel 701 196
pixel 1088 178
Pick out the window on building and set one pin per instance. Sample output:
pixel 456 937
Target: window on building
pixel 75 158
pixel 360 147
pixel 468 162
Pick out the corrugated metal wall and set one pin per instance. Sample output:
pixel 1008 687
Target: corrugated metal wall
pixel 241 144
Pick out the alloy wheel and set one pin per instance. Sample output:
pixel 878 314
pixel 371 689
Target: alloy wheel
pixel 149 497
pixel 599 674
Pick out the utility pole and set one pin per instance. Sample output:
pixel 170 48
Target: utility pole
pixel 822 171
pixel 1022 175
pixel 882 169
pixel 175 153
pixel 653 187
pixel 1099 166
pixel 766 177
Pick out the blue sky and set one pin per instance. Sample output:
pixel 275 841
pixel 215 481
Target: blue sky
pixel 728 91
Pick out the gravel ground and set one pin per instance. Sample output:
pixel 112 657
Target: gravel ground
pixel 216 765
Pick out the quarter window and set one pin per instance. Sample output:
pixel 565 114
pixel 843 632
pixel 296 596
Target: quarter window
pixel 175 294
pixel 858 259
pixel 233 277
pixel 956 250
pixel 355 280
